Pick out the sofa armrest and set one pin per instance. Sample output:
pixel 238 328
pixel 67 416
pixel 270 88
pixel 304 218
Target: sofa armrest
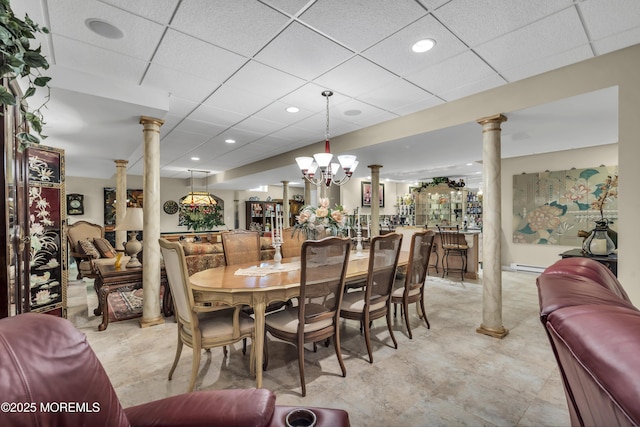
pixel 251 407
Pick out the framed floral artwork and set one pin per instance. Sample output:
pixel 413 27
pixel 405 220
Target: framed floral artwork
pixel 365 194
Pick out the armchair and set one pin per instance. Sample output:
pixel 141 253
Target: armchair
pixel 45 362
pixel 81 231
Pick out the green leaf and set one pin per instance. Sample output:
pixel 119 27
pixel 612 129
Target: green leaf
pixel 588 173
pixel 6 97
pixel 41 81
pixel 5 35
pixel 27 137
pixel 34 59
pixel 29 92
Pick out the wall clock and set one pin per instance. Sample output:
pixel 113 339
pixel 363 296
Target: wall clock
pixel 75 204
pixel 170 207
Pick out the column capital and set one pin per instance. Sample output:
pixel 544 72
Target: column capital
pixel 496 118
pixel 374 167
pixel 145 120
pixel 284 182
pixel 121 163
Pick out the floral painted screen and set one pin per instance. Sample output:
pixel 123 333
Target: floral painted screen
pixel 550 208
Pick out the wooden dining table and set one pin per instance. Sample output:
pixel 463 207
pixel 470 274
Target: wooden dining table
pixel 222 285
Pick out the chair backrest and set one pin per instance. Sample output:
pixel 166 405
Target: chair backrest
pixel 322 278
pixel 419 254
pixel 241 246
pixel 46 360
pixel 291 243
pixel 83 230
pixel 383 260
pixel 451 237
pixel 175 266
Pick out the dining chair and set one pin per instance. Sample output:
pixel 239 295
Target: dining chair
pixel 374 300
pixel 240 246
pixel 199 327
pixel 410 288
pixel 453 242
pixel 323 267
pixel 291 242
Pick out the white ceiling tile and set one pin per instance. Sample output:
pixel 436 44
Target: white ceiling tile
pixel 187 86
pixel 476 86
pixel 277 112
pixel 308 97
pixel 540 65
pixel 458 71
pixel 355 77
pixel 237 100
pixel 180 106
pixel 206 130
pixel 605 17
pixel 264 81
pixel 354 111
pixel 433 4
pixel 397 94
pixel 155 10
pixel 206 113
pixel 68 19
pixel 418 106
pixel 395 54
pixel 218 21
pixel 258 125
pixel 184 53
pixel 295 134
pixel 618 41
pixel 360 24
pixel 302 52
pixel 241 136
pixel 80 56
pixel 478 21
pixel 290 7
pixel 554 34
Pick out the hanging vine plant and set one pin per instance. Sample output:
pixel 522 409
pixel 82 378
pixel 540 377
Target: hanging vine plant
pixel 18 60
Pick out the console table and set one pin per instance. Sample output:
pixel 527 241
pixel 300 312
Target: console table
pixel 110 279
pixel 609 261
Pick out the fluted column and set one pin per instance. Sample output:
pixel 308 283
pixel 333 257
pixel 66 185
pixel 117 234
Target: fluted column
pixel 151 213
pixel 491 229
pixel 121 200
pixel 375 200
pixel 285 204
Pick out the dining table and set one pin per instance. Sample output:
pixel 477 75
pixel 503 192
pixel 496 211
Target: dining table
pixel 260 284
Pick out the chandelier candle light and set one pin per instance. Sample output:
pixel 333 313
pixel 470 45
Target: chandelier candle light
pixel 276 237
pixel 328 169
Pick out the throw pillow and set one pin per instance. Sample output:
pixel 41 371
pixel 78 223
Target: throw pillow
pixel 86 246
pixel 197 248
pixel 104 247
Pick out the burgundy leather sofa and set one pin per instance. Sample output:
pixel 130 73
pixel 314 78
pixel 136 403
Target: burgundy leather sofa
pixel 50 376
pixel 594 331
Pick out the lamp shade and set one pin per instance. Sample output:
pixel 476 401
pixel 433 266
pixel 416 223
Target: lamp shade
pixel 132 221
pixel 199 198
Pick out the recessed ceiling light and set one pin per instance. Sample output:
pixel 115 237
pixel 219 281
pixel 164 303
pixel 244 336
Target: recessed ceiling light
pixel 230 141
pixel 423 45
pixel 195 159
pixel 103 28
pixel 469 164
pixel 292 109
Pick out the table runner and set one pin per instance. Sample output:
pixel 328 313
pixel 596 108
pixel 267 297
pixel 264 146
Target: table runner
pixel 260 271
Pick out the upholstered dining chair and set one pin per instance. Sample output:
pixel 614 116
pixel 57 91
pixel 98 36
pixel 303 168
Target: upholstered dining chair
pixel 291 242
pixel 410 288
pixel 241 246
pixel 453 243
pixel 198 328
pixel 316 317
pixel 374 301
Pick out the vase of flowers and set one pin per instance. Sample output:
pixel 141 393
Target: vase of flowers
pixel 602 240
pixel 321 221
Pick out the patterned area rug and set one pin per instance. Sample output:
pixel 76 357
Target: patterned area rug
pixel 126 304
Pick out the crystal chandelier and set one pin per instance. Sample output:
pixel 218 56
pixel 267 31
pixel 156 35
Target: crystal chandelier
pixel 199 198
pixel 323 161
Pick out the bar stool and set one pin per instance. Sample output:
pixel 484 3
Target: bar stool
pixel 434 251
pixel 453 242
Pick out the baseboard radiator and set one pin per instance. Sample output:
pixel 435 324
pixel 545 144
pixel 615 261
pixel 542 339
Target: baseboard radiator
pixel 529 268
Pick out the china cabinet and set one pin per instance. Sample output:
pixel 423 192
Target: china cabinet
pixel 259 214
pixel 440 205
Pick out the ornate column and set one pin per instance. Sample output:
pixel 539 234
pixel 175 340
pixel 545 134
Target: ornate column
pixel 236 210
pixel 491 229
pixel 151 213
pixel 307 193
pixel 121 200
pixel 285 204
pixel 375 200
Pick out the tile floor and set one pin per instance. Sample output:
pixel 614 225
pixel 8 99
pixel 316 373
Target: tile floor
pixel 447 375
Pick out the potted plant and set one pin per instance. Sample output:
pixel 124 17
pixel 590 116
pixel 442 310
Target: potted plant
pixel 19 60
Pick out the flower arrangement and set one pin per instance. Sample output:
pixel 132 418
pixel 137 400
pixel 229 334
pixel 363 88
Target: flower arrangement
pixel 605 192
pixel 201 217
pixel 315 222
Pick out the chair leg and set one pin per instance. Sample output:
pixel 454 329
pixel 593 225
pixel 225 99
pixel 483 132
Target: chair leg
pixel 336 345
pixel 224 351
pixel 244 346
pixel 175 360
pixel 422 310
pixel 265 357
pixel 367 335
pixel 195 365
pixel 444 269
pixel 405 308
pixel 301 367
pixel 393 338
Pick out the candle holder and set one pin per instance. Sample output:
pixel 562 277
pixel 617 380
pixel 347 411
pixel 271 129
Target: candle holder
pixel 359 242
pixel 277 257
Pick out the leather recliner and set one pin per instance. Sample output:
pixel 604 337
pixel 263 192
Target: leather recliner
pixel 51 376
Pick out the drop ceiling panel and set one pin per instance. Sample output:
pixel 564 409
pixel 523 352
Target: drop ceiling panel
pixel 181 52
pixel 218 21
pixel 476 86
pixel 397 94
pixel 155 10
pixel 68 18
pixel 395 54
pixel 618 41
pixel 476 22
pixel 258 125
pixel 237 100
pixel 264 80
pixel 603 18
pixel 290 7
pixel 187 86
pixel 358 27
pixel 302 52
pixel 308 97
pixel 206 129
pixel 355 77
pixel 557 33
pixel 277 112
pixel 241 136
pixel 541 65
pixel 218 116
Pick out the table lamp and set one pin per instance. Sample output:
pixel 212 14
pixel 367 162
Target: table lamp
pixel 132 222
